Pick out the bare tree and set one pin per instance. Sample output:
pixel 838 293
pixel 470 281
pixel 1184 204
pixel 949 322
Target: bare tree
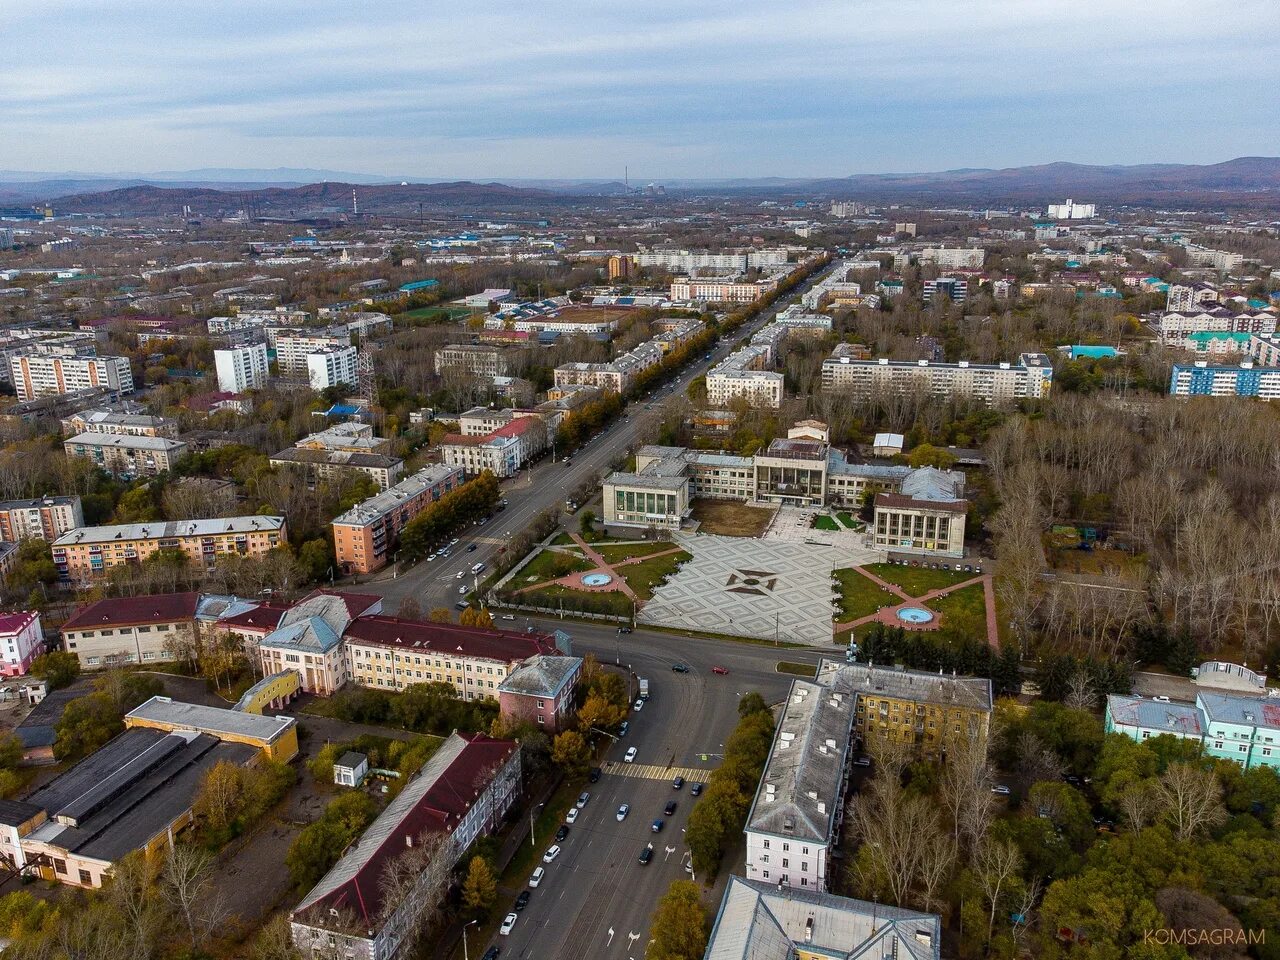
pixel 1192 798
pixel 1139 804
pixel 186 882
pixel 416 882
pixel 131 897
pixel 966 788
pixel 996 864
pixel 1080 695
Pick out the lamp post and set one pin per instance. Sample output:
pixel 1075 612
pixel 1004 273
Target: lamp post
pixel 465 956
pixel 532 841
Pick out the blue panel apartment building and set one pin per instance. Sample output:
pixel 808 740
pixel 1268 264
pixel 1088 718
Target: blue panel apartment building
pixel 1245 380
pixel 1244 730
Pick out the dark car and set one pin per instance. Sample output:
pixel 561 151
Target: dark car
pixel 593 775
pixel 624 629
pixel 646 854
pixel 470 547
pixel 522 901
pixel 562 833
pixel 657 825
pixel 491 954
pixel 670 808
pixel 679 668
pixel 677 783
pixel 695 790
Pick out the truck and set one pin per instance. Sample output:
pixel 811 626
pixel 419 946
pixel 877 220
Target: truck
pixel 644 689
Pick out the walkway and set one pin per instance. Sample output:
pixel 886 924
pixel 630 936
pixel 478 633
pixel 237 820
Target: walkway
pixel 618 582
pixel 889 615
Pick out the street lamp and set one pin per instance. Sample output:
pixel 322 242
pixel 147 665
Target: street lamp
pixel 464 938
pixel 532 841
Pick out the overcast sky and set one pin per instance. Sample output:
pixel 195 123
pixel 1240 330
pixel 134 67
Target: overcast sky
pixel 670 88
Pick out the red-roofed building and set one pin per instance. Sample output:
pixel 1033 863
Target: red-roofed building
pixel 21 637
pixel 463 792
pixel 132 629
pixel 502 451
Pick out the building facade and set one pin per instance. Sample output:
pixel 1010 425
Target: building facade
pixel 120 424
pixel 1202 379
pixel 328 466
pixel 21 641
pixel 926 515
pixel 365 537
pixel 47 376
pixel 1030 378
pixel 1240 728
pixel 47 518
pixel 333 366
pixel 541 691
pixel 126 456
pixel 242 368
pixel 137 630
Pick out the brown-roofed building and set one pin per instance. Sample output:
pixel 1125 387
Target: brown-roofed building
pixel 463 792
pixel 132 629
pixel 926 517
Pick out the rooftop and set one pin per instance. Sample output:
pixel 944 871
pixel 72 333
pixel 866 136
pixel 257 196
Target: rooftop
pixel 921 687
pixel 1242 711
pixel 542 675
pixel 126 611
pixel 170 530
pixel 447 638
pixel 218 721
pixel 125 441
pixel 414 485
pixel 1177 718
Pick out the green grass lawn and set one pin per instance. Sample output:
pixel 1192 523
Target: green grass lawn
pixel 562 540
pixel 544 567
pixel 964 609
pixel 918 580
pixel 797 669
pixel 860 597
pixel 823 522
pixel 847 520
pixel 644 576
pixel 618 604
pixel 615 552
pixel 436 313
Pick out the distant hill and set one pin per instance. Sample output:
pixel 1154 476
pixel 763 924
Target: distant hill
pixel 310 199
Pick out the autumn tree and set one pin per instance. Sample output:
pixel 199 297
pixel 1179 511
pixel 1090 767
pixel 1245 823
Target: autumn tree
pixel 1191 797
pixel 570 752
pixel 679 924
pixel 480 889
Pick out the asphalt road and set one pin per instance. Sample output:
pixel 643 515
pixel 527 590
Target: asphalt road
pixel 597 883
pixel 436 583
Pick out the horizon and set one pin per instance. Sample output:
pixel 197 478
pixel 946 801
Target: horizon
pixel 673 93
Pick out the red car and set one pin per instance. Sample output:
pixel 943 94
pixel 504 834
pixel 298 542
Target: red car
pixel 720 670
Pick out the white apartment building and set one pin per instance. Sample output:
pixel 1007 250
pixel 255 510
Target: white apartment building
pixel 47 376
pixel 242 368
pixel 954 258
pixel 722 289
pixel 1071 211
pixel 834 281
pixel 1223 260
pixel 1031 377
pixel 21 638
pixel 47 518
pixel 502 451
pixel 125 455
pixel 1174 325
pixel 331 366
pixel 293 345
pixel 743 374
pixel 126 424
pixel 1184 297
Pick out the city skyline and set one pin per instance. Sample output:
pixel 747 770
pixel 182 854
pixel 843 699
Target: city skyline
pixel 581 92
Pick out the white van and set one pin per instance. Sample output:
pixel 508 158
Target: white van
pixel 478 568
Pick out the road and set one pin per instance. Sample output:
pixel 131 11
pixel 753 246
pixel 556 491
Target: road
pixel 436 583
pixel 597 882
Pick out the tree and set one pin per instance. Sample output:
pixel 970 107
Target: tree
pixel 587 524
pixel 87 723
pixel 186 882
pixel 409 609
pixel 441 615
pixel 995 866
pixel 130 895
pixel 58 669
pixel 418 878
pixel 598 712
pixel 570 752
pixel 679 924
pixel 1192 798
pixel 476 617
pixel 219 796
pixel 927 455
pixel 480 889
pixel 274 941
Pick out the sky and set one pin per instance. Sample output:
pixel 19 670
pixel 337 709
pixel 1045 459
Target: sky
pixel 669 88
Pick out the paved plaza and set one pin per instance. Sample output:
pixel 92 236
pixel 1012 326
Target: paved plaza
pixel 743 587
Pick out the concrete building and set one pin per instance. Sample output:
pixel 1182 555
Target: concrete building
pixel 1241 728
pixel 954 258
pixel 1172 325
pixel 956 289
pixel 272 738
pixel 309 636
pixel 743 374
pixel 242 368
pixel 1071 211
pixel 1224 261
pixel 619 267
pixel 349 437
pixel 124 455
pixel 723 289
pixel 464 792
pixel 541 691
pixel 759 920
pixel 1030 378
pixel 46 518
pixel 365 536
pixel 926 515
pixel 350 769
pixel 122 630
pixel 119 424
pixel 87 552
pixel 330 466
pixel 1245 380
pixel 21 641
pixel 479 360
pixel 47 376
pixel 333 366
pixel 502 452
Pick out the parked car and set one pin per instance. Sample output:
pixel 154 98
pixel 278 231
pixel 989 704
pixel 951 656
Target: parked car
pixel 638 706
pixel 572 815
pixel 679 668
pixel 720 670
pixel 461 605
pixel 562 833
pixel 508 616
pixel 491 954
pixel 430 557
pixel 670 808
pixel 695 790
pixel 622 730
pixel 593 775
pixel 630 755
pixel 656 826
pixel 508 923
pixel 535 878
pixel 453 542
pixel 462 590
pixel 551 854
pixel 677 783
pixel 624 629
pixel 623 811
pixel 583 797
pixel 1001 790
pixel 646 854
pixel 862 761
pixel 471 547
pixel 522 901
pixel 459 575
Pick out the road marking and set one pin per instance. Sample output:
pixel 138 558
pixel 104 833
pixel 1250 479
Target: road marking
pixel 649 771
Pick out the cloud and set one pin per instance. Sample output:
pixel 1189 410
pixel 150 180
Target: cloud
pixel 556 88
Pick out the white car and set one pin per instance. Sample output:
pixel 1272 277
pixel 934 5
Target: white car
pixel 623 811
pixel 630 755
pixel 583 797
pixel 508 616
pixel 462 591
pixel 431 557
pixel 453 542
pixel 638 706
pixel 571 816
pixel 460 574
pixel 537 875
pixel 508 923
pixel 551 854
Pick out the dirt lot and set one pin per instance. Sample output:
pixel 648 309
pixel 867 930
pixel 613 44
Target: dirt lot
pixel 730 519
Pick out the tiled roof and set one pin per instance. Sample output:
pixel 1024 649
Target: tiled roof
pixel 448 638
pixel 125 611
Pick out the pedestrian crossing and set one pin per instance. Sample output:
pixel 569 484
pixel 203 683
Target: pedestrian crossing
pixel 651 771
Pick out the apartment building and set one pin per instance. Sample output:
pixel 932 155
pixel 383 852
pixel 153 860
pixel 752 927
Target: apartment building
pixel 349 437
pixel 743 374
pixel 121 630
pixel 45 518
pixel 332 367
pixel 126 455
pixel 1186 297
pixel 1071 211
pixel 926 515
pixel 541 691
pixel 689 261
pixel 331 466
pixel 956 289
pixel 723 289
pixel 479 360
pixel 46 376
pixel 954 258
pixel 502 451
pixel 1202 379
pixel 1222 260
pixel 242 368
pixel 292 346
pixel 1171 325
pixel 21 641
pixel 1030 378
pixel 1265 350
pixel 365 537
pixel 120 424
pixel 87 552
pixel 465 791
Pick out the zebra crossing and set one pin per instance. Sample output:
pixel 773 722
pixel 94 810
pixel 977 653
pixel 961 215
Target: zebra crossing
pixel 651 771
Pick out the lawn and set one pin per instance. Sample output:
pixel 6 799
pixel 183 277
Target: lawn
pixel 823 522
pixel 847 520
pixel 616 552
pixel 964 609
pixel 859 597
pixel 642 577
pixel 730 519
pixel 616 603
pixel 550 565
pixel 918 580
pixel 436 313
pixel 563 540
pixel 797 669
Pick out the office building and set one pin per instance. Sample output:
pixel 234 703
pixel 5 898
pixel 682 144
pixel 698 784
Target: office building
pixel 1242 729
pixel 954 258
pixel 485 362
pixel 1030 378
pixel 1071 211
pixel 120 424
pixel 308 639
pixel 126 455
pixel 333 366
pixel 21 641
pixel 464 792
pixel 1245 380
pixel 242 368
pixel 744 374
pixel 925 515
pixel 365 537
pixel 46 376
pixel 45 518
pixel 123 630
pixel 723 289
pixel 954 288
pixel 87 552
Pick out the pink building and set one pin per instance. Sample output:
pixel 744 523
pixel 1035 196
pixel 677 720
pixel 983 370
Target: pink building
pixel 21 638
pixel 540 691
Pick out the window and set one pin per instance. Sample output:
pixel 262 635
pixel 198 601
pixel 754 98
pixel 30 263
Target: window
pixel 60 866
pixel 786 862
pixel 766 844
pixel 766 874
pixel 786 847
pixel 93 661
pixel 541 704
pixel 86 877
pixel 108 633
pixel 70 646
pixel 541 718
pixel 144 629
pixel 764 858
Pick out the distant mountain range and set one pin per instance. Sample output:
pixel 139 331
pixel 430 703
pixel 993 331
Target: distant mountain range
pixel 1247 181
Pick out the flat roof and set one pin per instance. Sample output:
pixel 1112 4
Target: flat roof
pixel 170 530
pixel 381 504
pixel 125 441
pixel 218 721
pixel 647 482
